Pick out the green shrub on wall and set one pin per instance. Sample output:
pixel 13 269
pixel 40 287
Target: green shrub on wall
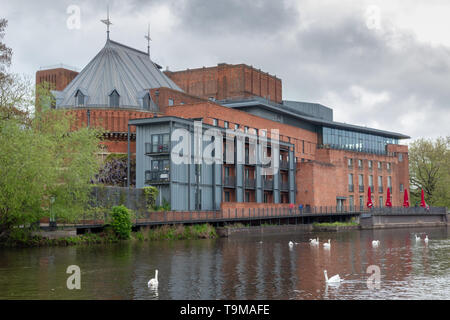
pixel 150 193
pixel 121 221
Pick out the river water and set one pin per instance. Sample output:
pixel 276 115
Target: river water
pixel 247 267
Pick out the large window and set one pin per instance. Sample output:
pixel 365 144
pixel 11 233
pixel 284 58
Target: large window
pixel 356 141
pixel 380 184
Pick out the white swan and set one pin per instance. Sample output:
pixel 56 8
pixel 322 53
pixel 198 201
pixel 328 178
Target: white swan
pixel 313 242
pixel 333 279
pixel 327 245
pixel 291 244
pixel 417 238
pixel 426 239
pixel 154 282
pixel 375 243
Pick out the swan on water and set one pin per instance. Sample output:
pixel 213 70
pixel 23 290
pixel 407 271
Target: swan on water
pixel 291 244
pixel 327 245
pixel 426 239
pixel 375 243
pixel 333 279
pixel 154 282
pixel 417 237
pixel 313 242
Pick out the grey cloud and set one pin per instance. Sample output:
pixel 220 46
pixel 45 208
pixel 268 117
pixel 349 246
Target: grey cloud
pixel 331 54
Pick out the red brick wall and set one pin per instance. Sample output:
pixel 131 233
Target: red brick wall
pixel 319 182
pixel 228 81
pixel 59 77
pixel 111 121
pixel 162 95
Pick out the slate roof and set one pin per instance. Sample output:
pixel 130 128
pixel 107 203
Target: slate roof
pixel 116 67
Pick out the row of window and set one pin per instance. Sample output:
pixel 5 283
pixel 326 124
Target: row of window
pixel 114 100
pixel 369 164
pixel 380 181
pixel 247 129
pixel 362 202
pixel 247 197
pixel 355 141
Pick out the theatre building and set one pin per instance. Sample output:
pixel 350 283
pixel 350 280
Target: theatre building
pixel 320 162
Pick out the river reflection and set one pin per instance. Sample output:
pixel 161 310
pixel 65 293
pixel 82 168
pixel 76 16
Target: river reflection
pixel 250 267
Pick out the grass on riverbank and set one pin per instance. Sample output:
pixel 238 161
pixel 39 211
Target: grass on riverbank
pixel 177 232
pixel 335 224
pixel 24 238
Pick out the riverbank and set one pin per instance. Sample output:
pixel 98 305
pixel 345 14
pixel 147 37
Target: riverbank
pixel 24 238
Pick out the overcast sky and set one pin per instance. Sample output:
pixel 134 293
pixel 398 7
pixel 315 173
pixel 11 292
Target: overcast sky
pixel 383 64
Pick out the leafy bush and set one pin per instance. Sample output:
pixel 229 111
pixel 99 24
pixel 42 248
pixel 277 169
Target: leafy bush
pixel 121 222
pixel 150 194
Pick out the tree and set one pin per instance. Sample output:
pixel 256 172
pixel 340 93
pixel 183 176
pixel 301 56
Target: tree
pixel 429 169
pixel 5 52
pixel 45 165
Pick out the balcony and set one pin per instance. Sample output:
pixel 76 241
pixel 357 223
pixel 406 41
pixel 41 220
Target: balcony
pixel 284 186
pixel 229 182
pixel 250 183
pixel 247 160
pixel 380 189
pixel 361 188
pixel 156 149
pixel 351 188
pixel 284 165
pixel 157 177
pixel 268 184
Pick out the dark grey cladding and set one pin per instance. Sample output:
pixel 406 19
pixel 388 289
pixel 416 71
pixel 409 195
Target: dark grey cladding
pixel 315 110
pixel 116 67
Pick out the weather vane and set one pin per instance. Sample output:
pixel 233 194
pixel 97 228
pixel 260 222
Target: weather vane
pixel 107 22
pixel 148 40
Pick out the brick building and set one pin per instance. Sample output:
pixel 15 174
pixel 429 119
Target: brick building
pixel 329 163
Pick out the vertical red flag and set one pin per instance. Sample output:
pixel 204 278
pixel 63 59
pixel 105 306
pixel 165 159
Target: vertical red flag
pixel 405 199
pixel 388 199
pixel 369 199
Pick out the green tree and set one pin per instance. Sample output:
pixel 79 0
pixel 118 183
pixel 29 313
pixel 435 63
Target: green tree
pixel 46 164
pixel 429 169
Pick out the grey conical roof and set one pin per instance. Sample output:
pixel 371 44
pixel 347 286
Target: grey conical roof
pixel 116 67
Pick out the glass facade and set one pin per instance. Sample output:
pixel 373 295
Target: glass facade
pixel 355 141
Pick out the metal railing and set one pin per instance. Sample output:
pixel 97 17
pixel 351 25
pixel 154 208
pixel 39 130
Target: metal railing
pixel 250 183
pixel 152 176
pixel 98 219
pixel 156 148
pixel 361 188
pixel 268 184
pixel 380 189
pixel 284 165
pixel 284 185
pixel 351 187
pixel 229 181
